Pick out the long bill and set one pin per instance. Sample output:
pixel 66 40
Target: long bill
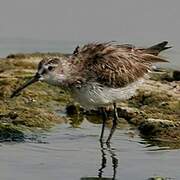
pixel 29 82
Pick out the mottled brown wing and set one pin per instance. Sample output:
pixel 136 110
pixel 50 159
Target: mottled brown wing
pixel 114 65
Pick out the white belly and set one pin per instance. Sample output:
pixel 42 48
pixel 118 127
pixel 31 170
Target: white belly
pixel 94 95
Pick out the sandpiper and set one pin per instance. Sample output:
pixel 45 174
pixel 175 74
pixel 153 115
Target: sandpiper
pixel 99 74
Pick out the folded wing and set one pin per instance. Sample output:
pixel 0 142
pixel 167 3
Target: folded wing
pixel 115 65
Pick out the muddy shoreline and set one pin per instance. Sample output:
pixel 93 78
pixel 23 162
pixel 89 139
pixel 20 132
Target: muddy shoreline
pixel 154 110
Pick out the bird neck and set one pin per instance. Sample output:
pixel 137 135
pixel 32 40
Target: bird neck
pixel 73 72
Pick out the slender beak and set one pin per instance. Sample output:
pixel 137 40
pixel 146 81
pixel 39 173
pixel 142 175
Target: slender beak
pixel 29 82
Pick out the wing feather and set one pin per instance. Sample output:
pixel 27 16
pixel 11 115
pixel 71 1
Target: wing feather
pixel 114 65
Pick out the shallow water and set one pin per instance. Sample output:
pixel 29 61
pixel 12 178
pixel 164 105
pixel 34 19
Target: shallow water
pixel 68 153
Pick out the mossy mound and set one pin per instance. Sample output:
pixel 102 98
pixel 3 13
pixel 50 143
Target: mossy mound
pixel 158 128
pixel 157 104
pixel 10 132
pixel 35 107
pixel 155 110
pixel 158 99
pixel 165 75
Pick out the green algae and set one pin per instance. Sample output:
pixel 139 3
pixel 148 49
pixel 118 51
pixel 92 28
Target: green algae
pixel 158 115
pixel 10 132
pixel 157 104
pixel 35 107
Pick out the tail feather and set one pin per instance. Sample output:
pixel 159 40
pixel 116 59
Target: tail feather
pixel 152 58
pixel 157 48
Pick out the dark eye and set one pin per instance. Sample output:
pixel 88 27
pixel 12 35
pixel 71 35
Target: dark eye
pixel 50 68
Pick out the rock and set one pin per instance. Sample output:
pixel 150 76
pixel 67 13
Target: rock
pixel 16 56
pixel 161 75
pixel 165 75
pixel 157 178
pixel 127 112
pixel 73 109
pixel 158 98
pixel 35 108
pixel 159 128
pixel 9 132
pixel 176 75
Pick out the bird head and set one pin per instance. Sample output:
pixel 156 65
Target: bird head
pixel 49 70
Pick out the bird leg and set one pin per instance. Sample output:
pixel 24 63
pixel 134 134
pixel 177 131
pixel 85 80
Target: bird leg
pixel 114 124
pixel 104 118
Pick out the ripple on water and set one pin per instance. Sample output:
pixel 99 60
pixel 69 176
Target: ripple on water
pixel 75 153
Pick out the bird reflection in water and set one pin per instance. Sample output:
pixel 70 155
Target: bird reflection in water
pixel 105 150
pixel 76 118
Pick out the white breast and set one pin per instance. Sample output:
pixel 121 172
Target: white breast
pixel 93 95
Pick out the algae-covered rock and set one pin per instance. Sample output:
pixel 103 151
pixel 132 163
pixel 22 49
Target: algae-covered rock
pixel 35 107
pixel 10 132
pixel 176 75
pixel 158 99
pixel 157 104
pixel 158 128
pixel 158 178
pixel 156 110
pixel 163 75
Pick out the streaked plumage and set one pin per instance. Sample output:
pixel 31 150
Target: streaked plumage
pixel 111 65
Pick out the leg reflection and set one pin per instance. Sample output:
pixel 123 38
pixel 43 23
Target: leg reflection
pixel 103 160
pixel 104 149
pixel 114 160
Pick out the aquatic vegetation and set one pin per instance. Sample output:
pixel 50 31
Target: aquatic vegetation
pixel 35 108
pixel 155 110
pixel 157 107
pixel 10 132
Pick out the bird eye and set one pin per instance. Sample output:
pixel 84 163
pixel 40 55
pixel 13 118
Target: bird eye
pixel 50 68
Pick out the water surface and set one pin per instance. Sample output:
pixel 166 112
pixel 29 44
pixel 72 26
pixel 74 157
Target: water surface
pixel 68 153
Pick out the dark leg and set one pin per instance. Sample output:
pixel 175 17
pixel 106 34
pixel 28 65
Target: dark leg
pixel 104 117
pixel 114 124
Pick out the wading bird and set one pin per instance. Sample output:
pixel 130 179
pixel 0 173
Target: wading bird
pixel 99 74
